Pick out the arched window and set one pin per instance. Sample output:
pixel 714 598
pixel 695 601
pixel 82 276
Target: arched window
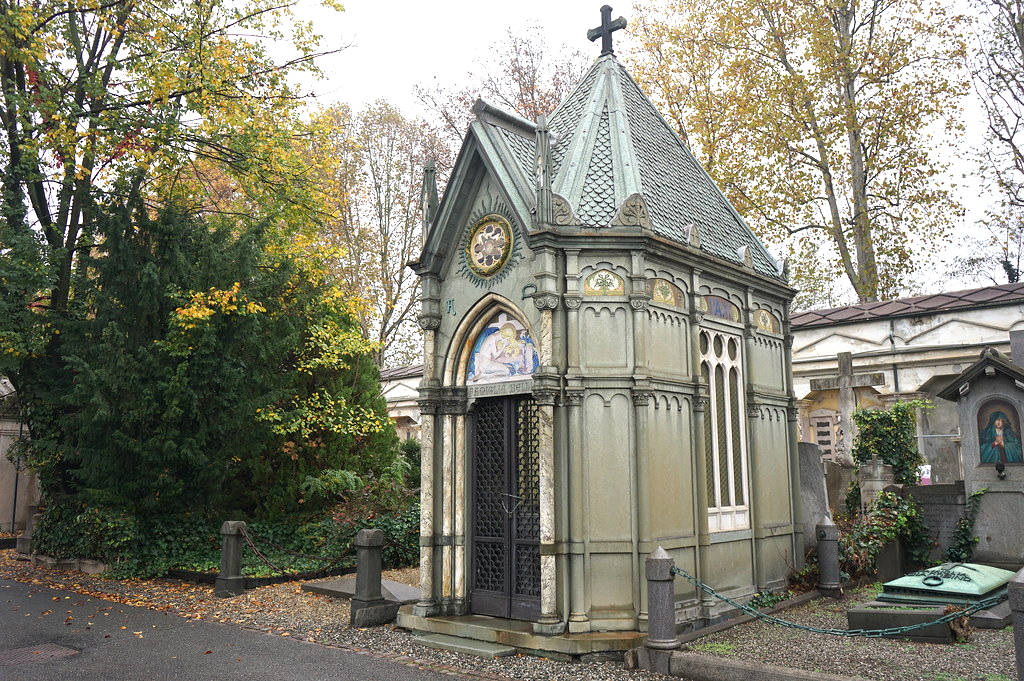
pixel 724 432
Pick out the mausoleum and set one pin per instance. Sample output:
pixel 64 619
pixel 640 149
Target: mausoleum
pixel 606 370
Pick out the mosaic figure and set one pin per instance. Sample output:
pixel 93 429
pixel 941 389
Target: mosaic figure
pixel 503 351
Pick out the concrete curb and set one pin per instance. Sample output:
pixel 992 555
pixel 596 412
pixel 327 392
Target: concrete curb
pixel 696 667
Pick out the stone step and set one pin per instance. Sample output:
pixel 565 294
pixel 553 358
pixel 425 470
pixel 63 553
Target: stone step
pixel 464 645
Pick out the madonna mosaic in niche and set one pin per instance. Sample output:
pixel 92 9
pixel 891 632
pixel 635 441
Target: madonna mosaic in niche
pixel 999 433
pixel 503 351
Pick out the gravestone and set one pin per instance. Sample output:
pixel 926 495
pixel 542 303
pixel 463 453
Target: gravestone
pixel 875 477
pixel 813 494
pixel 846 381
pixel 990 400
pixel 942 506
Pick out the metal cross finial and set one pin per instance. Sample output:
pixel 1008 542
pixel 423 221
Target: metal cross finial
pixel 604 31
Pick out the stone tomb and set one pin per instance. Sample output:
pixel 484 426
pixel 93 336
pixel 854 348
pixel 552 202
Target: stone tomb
pixel 990 400
pixel 606 370
pixel 923 596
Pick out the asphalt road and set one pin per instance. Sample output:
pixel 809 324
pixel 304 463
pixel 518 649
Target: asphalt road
pixel 116 642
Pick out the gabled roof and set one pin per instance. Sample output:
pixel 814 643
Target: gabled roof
pixel 992 362
pixel 989 296
pixel 608 142
pixel 406 371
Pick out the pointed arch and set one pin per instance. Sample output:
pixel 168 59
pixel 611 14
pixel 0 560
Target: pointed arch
pixel 478 317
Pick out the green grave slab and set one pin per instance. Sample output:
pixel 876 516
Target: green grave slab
pixel 952 583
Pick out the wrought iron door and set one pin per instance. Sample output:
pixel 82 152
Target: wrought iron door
pixel 506 509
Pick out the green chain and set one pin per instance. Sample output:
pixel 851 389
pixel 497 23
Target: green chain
pixel 868 633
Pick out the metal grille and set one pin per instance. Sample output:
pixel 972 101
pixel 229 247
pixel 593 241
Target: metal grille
pixel 709 445
pixel 723 447
pixel 490 470
pixel 489 566
pixel 528 570
pixel 737 459
pixel 527 471
pixel 506 504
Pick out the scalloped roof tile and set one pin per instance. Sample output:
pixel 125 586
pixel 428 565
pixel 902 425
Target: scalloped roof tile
pixel 609 142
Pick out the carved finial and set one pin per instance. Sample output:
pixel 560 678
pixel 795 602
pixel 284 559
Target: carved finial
pixel 746 256
pixel 692 235
pixel 784 272
pixel 542 172
pixel 428 197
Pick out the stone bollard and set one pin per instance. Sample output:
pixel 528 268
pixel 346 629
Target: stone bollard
pixel 1016 589
pixel 369 608
pixel 230 581
pixel 661 612
pixel 23 544
pixel 829 581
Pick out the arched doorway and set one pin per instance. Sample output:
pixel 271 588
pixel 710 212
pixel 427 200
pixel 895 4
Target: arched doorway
pixel 503 457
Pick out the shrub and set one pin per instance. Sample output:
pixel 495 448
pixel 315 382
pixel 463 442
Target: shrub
pixel 891 518
pixel 890 434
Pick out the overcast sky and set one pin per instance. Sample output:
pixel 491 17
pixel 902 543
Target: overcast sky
pixel 394 45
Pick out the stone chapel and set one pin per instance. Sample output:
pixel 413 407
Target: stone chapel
pixel 606 370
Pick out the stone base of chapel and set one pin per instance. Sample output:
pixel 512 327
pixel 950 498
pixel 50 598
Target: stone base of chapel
pixel 520 634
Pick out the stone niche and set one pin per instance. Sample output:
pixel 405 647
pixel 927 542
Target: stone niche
pixel 990 400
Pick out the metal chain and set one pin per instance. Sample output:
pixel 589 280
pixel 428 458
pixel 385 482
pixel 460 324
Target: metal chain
pixel 868 633
pixel 279 571
pixel 248 540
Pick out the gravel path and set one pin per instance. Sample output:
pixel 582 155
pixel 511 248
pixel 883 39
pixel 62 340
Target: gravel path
pixel 286 610
pixel 987 657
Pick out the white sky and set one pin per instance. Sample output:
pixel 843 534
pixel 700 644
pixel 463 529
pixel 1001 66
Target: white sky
pixel 394 45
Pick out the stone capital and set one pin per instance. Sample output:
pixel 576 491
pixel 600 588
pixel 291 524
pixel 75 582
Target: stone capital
pixel 545 397
pixel 639 303
pixel 574 398
pixel 701 404
pixel 572 302
pixel 642 398
pixel 429 406
pixel 545 301
pixel 429 322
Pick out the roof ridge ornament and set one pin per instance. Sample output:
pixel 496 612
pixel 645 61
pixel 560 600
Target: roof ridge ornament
pixel 604 31
pixel 633 213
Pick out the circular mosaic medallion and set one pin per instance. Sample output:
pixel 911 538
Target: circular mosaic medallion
pixel 489 245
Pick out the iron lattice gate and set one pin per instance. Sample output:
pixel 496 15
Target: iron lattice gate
pixel 506 509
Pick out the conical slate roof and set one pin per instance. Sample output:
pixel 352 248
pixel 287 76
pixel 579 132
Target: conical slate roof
pixel 609 142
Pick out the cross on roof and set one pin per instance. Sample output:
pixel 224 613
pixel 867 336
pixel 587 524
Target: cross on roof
pixel 604 31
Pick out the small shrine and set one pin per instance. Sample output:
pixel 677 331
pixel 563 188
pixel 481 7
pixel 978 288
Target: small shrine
pixel 990 400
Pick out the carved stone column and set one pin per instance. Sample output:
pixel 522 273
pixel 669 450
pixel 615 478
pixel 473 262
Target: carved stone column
pixel 427 605
pixel 457 406
pixel 578 620
pixel 641 400
pixel 550 621
pixel 700 409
